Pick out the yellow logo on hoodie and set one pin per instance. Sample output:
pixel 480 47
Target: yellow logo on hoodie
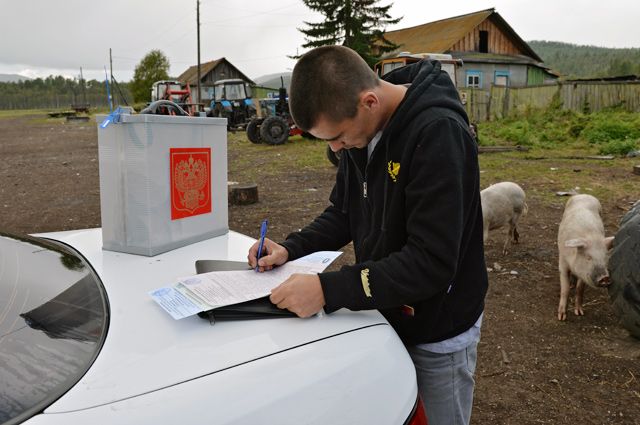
pixel 394 169
pixel 364 277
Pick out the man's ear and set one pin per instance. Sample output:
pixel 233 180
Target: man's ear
pixel 369 99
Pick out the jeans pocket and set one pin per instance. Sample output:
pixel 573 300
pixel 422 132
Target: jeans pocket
pixel 472 358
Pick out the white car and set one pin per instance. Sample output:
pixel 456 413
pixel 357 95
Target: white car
pixel 82 342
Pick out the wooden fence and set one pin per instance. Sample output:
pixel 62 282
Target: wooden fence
pixel 501 102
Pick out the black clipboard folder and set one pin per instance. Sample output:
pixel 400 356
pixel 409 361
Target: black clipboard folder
pixel 261 308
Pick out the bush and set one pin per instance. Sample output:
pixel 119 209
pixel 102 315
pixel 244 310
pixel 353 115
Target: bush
pixel 553 132
pixel 516 132
pixel 614 131
pixel 577 125
pixel 607 126
pixel 618 147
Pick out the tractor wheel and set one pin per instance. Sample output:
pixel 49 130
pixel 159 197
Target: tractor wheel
pixel 334 157
pixel 253 131
pixel 624 268
pixel 274 130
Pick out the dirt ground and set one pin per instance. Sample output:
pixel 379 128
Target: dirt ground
pixel 531 368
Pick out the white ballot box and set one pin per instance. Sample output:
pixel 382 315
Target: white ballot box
pixel 163 181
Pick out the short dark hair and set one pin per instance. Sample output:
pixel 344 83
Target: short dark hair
pixel 328 81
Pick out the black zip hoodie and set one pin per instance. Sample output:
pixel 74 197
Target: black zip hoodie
pixel 413 213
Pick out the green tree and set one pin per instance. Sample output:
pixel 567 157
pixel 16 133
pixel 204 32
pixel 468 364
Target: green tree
pixel 619 67
pixel 357 24
pixel 153 67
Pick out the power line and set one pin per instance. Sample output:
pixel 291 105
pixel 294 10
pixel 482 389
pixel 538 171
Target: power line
pixel 165 31
pixel 259 59
pixel 266 12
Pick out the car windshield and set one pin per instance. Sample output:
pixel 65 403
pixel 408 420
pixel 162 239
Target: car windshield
pixel 53 320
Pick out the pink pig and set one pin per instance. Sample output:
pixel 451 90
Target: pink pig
pixel 582 249
pixel 502 203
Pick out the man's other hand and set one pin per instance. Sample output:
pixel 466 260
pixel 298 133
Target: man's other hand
pixel 301 294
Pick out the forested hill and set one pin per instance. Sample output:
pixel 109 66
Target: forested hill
pixel 574 61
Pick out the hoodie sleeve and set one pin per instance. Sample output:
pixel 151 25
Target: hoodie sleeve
pixel 441 201
pixel 330 230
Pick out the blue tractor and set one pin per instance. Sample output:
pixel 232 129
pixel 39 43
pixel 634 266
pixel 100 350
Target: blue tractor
pixel 232 100
pixel 275 125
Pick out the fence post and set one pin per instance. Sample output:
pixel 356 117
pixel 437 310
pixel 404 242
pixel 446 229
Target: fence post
pixel 486 96
pixel 505 102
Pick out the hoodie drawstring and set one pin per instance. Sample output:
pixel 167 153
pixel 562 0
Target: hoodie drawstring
pixel 383 226
pixel 345 198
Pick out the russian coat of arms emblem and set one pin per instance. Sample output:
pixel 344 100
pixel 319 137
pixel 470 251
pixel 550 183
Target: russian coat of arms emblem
pixel 190 182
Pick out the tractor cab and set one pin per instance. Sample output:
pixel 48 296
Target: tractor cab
pixel 232 89
pixel 232 100
pixel 176 92
pixel 167 89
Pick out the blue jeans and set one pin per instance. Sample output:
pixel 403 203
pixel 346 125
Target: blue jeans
pixel 445 383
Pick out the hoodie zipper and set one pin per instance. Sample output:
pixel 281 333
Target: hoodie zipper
pixel 361 179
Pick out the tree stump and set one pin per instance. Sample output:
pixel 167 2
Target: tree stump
pixel 243 194
pixel 636 169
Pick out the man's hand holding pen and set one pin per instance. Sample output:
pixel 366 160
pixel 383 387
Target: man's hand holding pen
pixel 301 293
pixel 273 254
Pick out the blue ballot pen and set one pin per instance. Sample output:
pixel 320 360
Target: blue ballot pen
pixel 263 233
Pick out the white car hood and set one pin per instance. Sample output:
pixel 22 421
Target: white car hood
pixel 146 350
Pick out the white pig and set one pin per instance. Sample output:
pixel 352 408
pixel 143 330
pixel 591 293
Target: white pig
pixel 582 250
pixel 502 203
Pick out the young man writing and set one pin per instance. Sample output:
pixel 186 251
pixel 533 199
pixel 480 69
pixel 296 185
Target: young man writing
pixel 407 194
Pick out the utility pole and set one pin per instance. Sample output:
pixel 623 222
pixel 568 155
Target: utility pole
pixel 84 92
pixel 198 23
pixel 110 77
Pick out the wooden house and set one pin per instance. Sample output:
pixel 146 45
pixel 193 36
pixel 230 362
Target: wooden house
pixel 210 72
pixel 491 51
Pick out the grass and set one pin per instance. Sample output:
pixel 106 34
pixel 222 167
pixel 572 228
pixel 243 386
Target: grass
pixel 543 176
pixel 40 116
pixel 266 160
pixel 555 139
pixel 613 131
pixel 15 113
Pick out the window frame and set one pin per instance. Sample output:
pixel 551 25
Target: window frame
pixel 506 74
pixel 473 73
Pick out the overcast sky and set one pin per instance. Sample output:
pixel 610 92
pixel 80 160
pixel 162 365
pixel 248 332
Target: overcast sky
pixel 43 37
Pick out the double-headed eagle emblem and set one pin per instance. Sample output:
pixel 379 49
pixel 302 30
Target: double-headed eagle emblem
pixel 191 177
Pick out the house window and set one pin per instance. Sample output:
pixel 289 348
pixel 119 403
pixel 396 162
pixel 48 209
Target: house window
pixel 474 79
pixel 501 78
pixel 484 42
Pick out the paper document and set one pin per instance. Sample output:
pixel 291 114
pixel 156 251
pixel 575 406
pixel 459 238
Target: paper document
pixel 175 303
pixel 193 294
